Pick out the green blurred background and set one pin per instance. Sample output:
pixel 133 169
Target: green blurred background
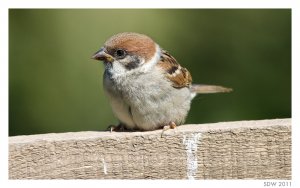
pixel 54 86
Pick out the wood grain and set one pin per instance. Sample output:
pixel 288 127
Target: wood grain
pixel 230 150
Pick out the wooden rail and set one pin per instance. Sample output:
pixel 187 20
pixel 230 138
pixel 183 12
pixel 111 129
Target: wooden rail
pixel 231 150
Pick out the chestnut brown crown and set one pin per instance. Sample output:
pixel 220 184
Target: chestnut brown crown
pixel 133 43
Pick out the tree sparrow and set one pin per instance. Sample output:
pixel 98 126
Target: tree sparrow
pixel 145 85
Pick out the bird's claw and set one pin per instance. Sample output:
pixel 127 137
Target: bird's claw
pixel 119 127
pixel 171 125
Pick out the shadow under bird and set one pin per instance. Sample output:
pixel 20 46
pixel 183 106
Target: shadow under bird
pixel 147 88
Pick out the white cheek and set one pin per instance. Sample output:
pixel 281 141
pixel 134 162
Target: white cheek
pixel 117 68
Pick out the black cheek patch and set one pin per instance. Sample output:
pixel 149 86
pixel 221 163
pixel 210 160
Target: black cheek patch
pixel 134 63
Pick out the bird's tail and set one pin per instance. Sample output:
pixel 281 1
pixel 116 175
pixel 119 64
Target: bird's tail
pixel 205 89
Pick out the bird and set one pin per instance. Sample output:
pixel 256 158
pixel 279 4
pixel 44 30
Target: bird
pixel 146 87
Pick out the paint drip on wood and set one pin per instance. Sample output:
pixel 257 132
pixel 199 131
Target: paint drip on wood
pixel 191 143
pixel 104 166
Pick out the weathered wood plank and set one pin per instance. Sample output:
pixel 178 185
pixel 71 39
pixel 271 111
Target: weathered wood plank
pixel 232 150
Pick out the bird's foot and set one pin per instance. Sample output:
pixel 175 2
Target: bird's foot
pixel 171 125
pixel 116 128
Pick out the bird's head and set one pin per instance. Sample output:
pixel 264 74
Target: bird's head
pixel 128 51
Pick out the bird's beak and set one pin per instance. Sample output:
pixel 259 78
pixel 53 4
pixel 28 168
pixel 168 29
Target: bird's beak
pixel 101 55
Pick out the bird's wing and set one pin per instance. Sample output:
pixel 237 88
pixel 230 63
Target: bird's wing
pixel 176 74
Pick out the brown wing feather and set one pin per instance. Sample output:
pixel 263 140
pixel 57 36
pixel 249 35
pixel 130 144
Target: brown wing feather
pixel 178 75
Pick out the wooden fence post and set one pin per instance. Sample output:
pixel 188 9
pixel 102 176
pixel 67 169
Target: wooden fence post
pixel 230 150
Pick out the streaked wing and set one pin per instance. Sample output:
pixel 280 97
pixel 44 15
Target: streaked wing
pixel 178 75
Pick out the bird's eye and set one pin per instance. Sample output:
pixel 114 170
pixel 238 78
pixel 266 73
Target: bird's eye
pixel 120 53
